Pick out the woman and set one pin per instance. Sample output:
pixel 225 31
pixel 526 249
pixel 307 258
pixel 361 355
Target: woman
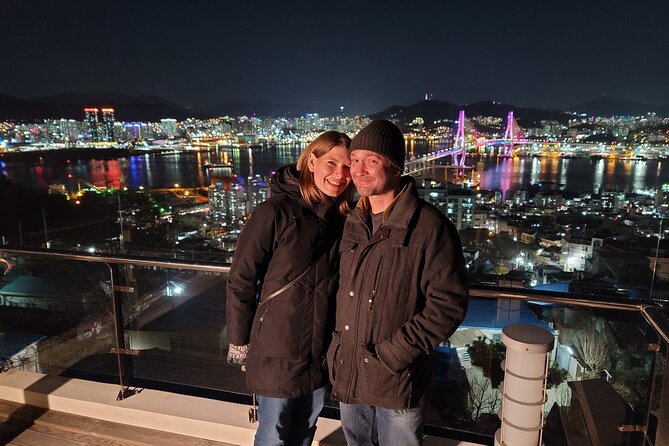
pixel 291 239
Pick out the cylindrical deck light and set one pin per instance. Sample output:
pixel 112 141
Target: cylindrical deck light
pixel 524 389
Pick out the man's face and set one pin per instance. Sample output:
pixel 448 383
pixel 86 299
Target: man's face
pixel 372 173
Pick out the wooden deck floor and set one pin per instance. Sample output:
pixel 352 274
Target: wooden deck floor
pixel 23 425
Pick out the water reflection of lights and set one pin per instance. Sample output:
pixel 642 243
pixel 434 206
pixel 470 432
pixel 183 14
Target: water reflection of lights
pixel 563 171
pixel 640 169
pixel 535 171
pixel 610 172
pixel 599 175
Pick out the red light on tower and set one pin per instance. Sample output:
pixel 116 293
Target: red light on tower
pixel 91 110
pixel 108 110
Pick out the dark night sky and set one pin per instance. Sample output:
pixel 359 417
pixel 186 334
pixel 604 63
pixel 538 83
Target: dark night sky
pixel 365 55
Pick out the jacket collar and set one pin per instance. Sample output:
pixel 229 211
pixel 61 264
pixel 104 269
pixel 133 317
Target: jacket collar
pixel 404 206
pixel 400 214
pixel 323 210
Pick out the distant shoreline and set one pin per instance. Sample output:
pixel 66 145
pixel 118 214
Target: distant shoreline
pixel 81 153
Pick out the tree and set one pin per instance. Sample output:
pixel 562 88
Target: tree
pixel 489 357
pixel 556 376
pixel 482 397
pixel 595 349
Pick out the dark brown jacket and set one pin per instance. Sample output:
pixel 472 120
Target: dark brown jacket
pixel 289 334
pixel 402 291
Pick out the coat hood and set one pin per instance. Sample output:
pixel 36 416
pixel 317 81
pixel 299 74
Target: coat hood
pixel 286 182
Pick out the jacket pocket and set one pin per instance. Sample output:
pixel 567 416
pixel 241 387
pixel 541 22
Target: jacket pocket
pixel 377 380
pixel 331 355
pixel 278 327
pixel 347 249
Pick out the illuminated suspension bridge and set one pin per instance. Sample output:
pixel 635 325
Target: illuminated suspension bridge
pixel 463 143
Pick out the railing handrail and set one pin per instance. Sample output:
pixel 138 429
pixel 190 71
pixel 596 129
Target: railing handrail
pixel 583 300
pixel 645 307
pixel 192 265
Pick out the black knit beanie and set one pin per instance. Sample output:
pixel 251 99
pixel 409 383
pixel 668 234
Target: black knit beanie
pixel 384 138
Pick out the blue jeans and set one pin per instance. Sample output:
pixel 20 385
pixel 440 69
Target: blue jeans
pixel 288 421
pixel 367 425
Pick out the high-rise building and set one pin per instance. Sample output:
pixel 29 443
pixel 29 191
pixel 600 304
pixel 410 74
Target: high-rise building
pixel 223 203
pixel 91 124
pixel 456 203
pixel 134 131
pixel 108 124
pixel 231 202
pixel 70 129
pixel 169 127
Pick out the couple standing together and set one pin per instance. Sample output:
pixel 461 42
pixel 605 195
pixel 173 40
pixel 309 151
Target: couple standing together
pixel 395 263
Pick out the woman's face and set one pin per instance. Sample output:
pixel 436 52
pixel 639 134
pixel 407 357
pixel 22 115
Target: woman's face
pixel 331 171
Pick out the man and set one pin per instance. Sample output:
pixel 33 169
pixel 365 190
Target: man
pixel 402 291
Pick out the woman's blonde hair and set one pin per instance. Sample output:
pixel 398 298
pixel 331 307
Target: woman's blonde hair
pixel 311 194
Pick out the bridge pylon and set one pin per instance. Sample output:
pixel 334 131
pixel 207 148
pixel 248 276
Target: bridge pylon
pixel 459 143
pixel 512 134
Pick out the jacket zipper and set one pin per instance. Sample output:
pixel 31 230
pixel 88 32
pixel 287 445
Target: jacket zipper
pixel 262 318
pixel 355 334
pixel 372 294
pixel 363 252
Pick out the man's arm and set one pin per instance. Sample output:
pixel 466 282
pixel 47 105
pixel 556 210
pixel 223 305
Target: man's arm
pixel 249 265
pixel 446 295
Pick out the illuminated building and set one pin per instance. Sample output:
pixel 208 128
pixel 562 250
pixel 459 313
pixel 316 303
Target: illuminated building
pixel 70 129
pixel 457 204
pixel 223 201
pixel 134 131
pixel 230 203
pixel 576 253
pixel 108 124
pixel 169 127
pixel 91 124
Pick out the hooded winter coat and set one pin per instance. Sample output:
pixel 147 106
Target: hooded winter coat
pixel 402 291
pixel 288 335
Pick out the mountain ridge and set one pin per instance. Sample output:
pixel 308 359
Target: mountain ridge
pixel 612 106
pixel 70 105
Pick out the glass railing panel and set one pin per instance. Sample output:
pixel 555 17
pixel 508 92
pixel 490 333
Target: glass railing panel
pixel 606 371
pixel 56 316
pixel 599 374
pixel 658 416
pixel 175 320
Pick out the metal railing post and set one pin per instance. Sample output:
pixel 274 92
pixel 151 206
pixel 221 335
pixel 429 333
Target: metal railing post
pixel 123 354
pixel 662 431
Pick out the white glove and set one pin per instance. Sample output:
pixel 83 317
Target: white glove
pixel 237 354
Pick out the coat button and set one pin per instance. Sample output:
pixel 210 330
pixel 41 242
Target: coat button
pixel 341 361
pixel 334 394
pixel 366 359
pixel 351 293
pixel 346 327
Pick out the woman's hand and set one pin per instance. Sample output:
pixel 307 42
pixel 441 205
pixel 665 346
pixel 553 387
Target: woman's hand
pixel 237 354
